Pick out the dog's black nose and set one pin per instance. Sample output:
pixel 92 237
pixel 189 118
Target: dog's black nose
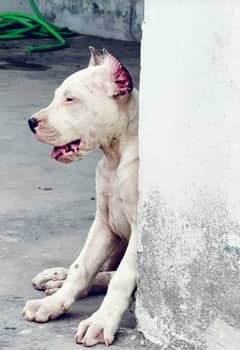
pixel 33 123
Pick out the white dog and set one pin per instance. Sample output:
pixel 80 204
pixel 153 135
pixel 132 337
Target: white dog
pixel 94 108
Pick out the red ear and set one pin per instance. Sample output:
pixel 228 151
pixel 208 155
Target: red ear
pixel 121 76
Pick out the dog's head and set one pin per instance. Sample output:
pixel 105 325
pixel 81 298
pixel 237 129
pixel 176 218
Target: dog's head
pixel 88 110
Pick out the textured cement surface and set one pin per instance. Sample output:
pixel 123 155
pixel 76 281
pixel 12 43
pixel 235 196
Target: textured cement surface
pixel 189 183
pixel 46 207
pixel 119 19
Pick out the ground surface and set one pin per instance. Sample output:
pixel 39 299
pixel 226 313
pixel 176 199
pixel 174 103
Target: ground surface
pixel 46 207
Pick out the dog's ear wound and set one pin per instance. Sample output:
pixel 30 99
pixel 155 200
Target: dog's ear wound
pixel 121 76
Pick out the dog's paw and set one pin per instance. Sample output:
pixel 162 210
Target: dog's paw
pixel 50 280
pixel 99 328
pixel 43 310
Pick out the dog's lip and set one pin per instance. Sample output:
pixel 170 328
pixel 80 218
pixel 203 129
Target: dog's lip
pixel 71 147
pixel 74 142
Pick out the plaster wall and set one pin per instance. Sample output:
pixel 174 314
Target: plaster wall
pixel 189 210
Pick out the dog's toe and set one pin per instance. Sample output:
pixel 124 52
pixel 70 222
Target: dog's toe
pixel 95 330
pixel 47 276
pixel 42 310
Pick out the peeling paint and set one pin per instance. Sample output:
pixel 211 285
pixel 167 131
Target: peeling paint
pixel 221 336
pixel 186 260
pixel 189 183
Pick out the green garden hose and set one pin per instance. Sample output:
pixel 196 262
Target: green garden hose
pixel 21 26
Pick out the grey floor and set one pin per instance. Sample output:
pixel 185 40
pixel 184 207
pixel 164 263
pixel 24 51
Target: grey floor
pixel 46 207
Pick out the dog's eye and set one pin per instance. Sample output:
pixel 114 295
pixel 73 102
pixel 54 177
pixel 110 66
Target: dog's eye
pixel 69 99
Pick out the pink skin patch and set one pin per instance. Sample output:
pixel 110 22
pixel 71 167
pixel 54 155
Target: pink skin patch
pixel 122 78
pixel 64 153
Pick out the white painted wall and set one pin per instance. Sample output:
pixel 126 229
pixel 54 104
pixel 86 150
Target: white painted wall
pixel 190 98
pixel 189 169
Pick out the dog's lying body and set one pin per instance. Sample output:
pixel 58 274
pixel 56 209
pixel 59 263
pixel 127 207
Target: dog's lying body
pixel 96 108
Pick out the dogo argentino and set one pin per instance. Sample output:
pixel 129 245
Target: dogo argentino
pixel 95 108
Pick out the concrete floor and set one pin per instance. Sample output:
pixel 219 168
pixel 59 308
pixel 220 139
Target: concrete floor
pixel 46 207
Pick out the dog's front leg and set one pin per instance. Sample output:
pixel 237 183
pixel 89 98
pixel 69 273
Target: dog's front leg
pixel 102 325
pixel 98 247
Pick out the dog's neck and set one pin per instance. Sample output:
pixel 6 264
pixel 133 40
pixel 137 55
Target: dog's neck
pixel 112 154
pixel 115 152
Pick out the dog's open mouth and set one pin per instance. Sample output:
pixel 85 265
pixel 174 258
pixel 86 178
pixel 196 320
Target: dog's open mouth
pixel 65 150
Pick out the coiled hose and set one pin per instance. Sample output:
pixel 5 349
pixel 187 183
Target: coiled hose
pixel 21 26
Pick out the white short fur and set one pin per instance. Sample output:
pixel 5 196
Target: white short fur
pixel 87 106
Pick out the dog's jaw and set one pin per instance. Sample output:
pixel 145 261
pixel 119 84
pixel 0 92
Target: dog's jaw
pixel 66 153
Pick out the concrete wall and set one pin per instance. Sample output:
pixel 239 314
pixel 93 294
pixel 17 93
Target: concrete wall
pixel 189 211
pixel 15 5
pixel 117 19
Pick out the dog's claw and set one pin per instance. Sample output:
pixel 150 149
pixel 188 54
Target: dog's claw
pixel 97 329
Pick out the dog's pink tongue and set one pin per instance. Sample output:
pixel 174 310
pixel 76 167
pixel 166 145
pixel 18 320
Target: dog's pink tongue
pixel 57 152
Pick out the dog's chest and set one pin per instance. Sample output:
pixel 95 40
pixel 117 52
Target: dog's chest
pixel 111 206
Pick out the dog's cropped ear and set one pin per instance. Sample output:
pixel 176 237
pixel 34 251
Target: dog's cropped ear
pixel 96 57
pixel 123 83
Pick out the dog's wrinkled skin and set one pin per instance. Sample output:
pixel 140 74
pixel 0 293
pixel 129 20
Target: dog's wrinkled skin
pixel 98 107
